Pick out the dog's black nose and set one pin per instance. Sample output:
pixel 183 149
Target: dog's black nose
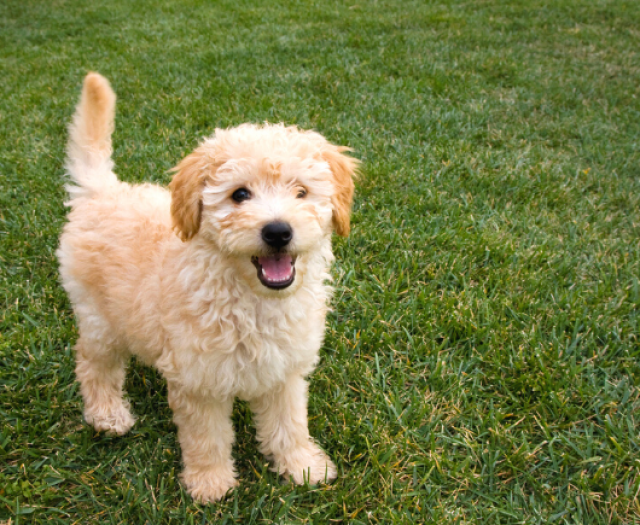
pixel 277 234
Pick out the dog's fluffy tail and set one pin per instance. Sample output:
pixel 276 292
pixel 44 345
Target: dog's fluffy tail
pixel 89 150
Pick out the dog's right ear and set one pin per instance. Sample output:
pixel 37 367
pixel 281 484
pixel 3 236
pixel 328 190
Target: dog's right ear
pixel 186 193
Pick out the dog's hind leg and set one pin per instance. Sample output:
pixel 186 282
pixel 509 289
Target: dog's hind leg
pixel 101 370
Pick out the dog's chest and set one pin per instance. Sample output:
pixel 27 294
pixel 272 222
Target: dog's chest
pixel 244 349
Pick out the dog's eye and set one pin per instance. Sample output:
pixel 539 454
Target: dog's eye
pixel 241 194
pixel 302 193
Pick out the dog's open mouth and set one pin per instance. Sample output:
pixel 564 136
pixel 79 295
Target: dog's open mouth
pixel 275 271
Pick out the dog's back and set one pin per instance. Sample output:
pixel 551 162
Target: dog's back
pixel 112 245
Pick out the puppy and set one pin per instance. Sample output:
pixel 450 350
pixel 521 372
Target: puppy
pixel 221 284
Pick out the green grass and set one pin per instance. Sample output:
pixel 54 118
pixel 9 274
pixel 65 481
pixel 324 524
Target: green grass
pixel 482 360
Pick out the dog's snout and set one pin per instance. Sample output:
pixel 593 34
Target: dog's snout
pixel 277 234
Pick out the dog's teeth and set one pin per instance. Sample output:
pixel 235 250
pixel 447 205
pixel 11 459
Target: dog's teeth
pixel 282 280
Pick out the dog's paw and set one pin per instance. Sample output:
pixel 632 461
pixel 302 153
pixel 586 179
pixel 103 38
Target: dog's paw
pixel 208 485
pixel 114 420
pixel 307 464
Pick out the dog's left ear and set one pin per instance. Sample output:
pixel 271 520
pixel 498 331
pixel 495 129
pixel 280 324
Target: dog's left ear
pixel 186 194
pixel 344 169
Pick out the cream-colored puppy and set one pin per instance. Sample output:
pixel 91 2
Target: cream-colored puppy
pixel 220 284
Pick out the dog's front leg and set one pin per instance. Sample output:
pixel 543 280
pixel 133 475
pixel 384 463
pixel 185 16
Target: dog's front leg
pixel 206 437
pixel 281 422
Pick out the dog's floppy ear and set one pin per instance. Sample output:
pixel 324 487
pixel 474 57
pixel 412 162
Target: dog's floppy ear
pixel 344 169
pixel 186 193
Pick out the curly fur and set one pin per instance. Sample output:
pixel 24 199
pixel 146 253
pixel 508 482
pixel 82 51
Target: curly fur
pixel 169 278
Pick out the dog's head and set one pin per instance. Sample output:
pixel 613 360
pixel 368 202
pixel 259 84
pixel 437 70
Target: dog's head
pixel 266 196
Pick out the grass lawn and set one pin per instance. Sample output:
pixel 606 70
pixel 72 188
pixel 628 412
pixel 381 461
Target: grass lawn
pixel 482 362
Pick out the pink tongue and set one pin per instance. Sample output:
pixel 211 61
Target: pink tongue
pixel 276 267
